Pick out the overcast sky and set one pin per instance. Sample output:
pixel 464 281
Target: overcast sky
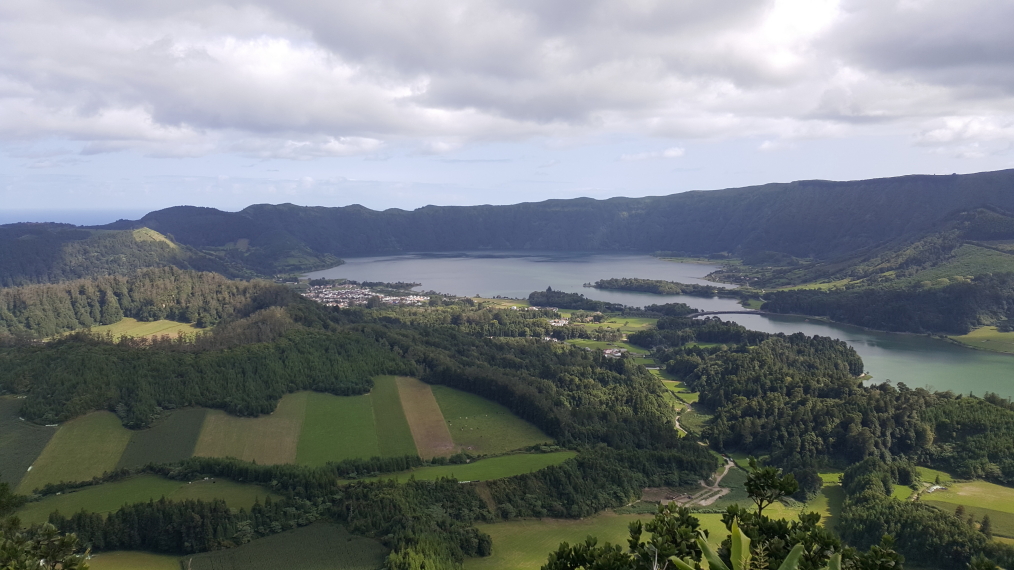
pixel 133 105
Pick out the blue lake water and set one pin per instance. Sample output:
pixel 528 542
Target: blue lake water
pixel 912 359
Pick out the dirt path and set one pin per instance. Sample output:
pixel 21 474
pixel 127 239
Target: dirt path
pixel 714 491
pixel 708 493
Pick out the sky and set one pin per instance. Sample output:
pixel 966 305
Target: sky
pixel 112 108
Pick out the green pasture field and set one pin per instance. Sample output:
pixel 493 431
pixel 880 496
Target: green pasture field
pixel 506 303
pixel 664 375
pixel 172 438
pixel 81 449
pixel 688 397
pixel 132 327
pixel 968 260
pixel 393 433
pixel 527 543
pixel 978 494
pixel 694 419
pixel 21 442
pixel 109 497
pixel 268 440
pixel 1002 521
pixel 130 560
pixel 480 426
pixel 320 546
pixel 602 345
pixel 754 304
pixel 337 428
pixel 930 475
pixel 988 338
pixel 487 469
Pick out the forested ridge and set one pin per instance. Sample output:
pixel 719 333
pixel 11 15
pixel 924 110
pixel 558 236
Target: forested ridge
pixel 804 219
pixel 39 311
pixel 955 308
pixel 800 400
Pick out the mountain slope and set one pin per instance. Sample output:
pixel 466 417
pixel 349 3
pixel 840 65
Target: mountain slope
pixel 808 219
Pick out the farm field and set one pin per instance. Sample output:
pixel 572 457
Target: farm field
pixel 393 433
pixel 480 426
pixel 978 494
pixel 425 420
pixel 486 469
pixel 335 428
pixel 130 560
pixel 171 438
pixel 1002 521
pixel 81 449
pixel 602 345
pixel 132 327
pixel 527 543
pixel 108 497
pixel 988 338
pixel 320 546
pixel 268 440
pixel 20 442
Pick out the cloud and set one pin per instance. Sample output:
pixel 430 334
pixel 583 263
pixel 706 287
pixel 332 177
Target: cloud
pixel 303 79
pixel 672 152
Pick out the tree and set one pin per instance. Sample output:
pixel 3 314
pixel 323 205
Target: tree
pixel 766 485
pixel 986 526
pixel 39 547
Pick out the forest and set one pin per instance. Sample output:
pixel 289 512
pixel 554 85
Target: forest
pixel 40 311
pixel 794 398
pixel 955 308
pixel 658 286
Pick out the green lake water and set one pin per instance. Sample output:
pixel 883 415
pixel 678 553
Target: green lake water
pixel 912 359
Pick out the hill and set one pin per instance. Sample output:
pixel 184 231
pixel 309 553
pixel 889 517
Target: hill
pixel 807 219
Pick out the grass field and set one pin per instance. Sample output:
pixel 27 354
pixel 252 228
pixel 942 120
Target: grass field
pixel 480 426
pixel 425 420
pixel 320 546
pixel 1002 522
pixel 268 440
pixel 142 488
pixel 527 543
pixel 978 494
pixel 930 475
pixel 135 328
pixel 393 432
pixel 127 560
pixel 171 438
pixel 81 449
pixel 337 428
pixel 21 442
pixel 602 345
pixel 988 338
pixel 968 260
pixel 486 469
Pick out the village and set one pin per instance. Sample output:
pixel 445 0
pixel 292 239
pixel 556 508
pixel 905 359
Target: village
pixel 345 296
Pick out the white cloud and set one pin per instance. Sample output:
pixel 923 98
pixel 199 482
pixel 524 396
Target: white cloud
pixel 304 79
pixel 672 152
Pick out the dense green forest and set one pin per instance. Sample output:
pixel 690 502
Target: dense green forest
pixel 561 300
pixel 658 286
pixel 51 253
pixel 40 311
pixel 922 533
pixel 955 308
pixel 799 399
